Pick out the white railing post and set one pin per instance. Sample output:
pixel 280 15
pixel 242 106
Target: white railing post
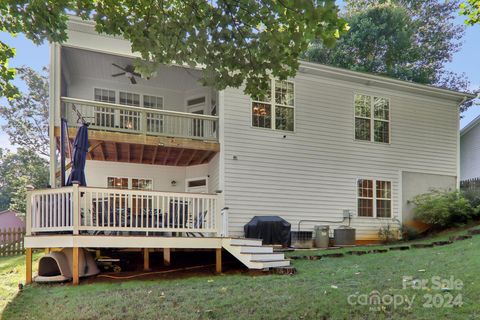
pixel 76 207
pixel 28 213
pixel 143 122
pixel 224 222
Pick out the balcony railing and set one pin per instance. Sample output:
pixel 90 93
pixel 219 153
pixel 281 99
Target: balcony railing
pixel 116 117
pixel 87 210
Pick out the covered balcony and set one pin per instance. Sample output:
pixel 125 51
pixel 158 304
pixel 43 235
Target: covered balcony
pixel 167 119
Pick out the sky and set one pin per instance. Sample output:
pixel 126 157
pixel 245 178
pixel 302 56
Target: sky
pixel 467 61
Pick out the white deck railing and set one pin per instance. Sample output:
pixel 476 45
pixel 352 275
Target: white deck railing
pixel 81 210
pixel 121 118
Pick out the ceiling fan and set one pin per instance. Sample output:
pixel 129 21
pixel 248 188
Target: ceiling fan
pixel 128 71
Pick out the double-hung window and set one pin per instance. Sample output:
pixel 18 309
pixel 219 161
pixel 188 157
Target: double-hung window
pixel 153 102
pixel 154 120
pixel 129 119
pixel 104 116
pixel 372 118
pixel 275 108
pixel 374 198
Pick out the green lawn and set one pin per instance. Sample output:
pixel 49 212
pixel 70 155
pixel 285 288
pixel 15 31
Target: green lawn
pixel 320 290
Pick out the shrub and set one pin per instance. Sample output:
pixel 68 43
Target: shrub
pixel 388 234
pixel 409 233
pixel 443 209
pixel 473 198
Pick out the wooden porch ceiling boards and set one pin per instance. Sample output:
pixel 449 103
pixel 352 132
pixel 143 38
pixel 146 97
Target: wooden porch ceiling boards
pixel 134 148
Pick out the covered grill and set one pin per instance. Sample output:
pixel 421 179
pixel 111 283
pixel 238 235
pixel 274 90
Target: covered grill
pixel 271 229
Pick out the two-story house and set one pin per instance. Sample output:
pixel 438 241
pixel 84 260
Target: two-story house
pixel 167 154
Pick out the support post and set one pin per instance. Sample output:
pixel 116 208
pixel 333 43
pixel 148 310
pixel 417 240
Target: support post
pixel 75 269
pixel 166 256
pixel 218 260
pixel 28 265
pixel 146 259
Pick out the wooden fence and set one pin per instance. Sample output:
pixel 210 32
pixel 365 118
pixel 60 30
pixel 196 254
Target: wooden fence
pixel 470 185
pixel 11 242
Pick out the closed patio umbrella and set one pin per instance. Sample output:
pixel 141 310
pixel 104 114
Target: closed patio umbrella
pixel 79 158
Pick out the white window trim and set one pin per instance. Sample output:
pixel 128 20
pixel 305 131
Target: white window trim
pixel 374 199
pixel 130 178
pixel 372 119
pixel 273 107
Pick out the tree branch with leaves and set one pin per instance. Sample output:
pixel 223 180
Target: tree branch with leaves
pixel 26 114
pixel 471 9
pixel 236 42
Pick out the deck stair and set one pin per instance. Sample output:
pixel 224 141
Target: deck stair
pixel 253 254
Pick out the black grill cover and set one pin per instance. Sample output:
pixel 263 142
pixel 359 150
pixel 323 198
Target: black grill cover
pixel 271 229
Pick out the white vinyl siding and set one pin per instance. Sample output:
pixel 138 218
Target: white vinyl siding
pixel 311 174
pixel 470 153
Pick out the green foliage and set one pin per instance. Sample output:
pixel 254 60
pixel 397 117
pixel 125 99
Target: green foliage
pixel 26 114
pixel 6 73
pixel 410 40
pixel 17 171
pixel 235 41
pixel 471 9
pixel 443 209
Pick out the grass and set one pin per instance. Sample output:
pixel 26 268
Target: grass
pixel 12 272
pixel 319 291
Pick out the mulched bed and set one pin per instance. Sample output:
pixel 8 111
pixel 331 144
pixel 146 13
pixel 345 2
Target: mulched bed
pixel 459 238
pixel 441 243
pixel 422 245
pixel 333 255
pixel 400 248
pixel 357 253
pixel 393 248
pixel 378 251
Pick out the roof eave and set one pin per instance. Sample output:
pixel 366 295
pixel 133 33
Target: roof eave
pixel 394 83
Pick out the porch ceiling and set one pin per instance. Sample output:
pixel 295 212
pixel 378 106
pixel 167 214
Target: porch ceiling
pixel 134 148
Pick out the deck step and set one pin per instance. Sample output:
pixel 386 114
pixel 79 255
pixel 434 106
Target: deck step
pixel 246 242
pixel 260 257
pixel 254 255
pixel 275 264
pixel 249 250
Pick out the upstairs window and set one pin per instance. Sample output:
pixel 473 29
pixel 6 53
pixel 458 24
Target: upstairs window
pixel 152 102
pixel 372 118
pixel 104 95
pixel 129 99
pixel 275 109
pixel 374 198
